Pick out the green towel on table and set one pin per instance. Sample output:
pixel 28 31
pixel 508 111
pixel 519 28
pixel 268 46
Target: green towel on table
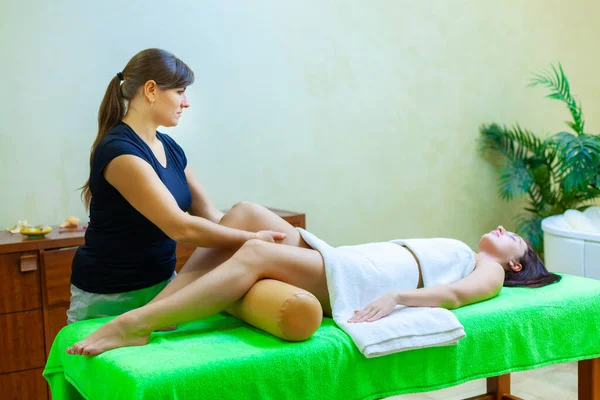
pixel 223 358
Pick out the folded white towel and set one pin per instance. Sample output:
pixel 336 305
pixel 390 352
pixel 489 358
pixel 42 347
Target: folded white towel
pixel 357 275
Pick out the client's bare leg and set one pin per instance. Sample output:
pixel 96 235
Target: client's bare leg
pixel 212 293
pixel 244 215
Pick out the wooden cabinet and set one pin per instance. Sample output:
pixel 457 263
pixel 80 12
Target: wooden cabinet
pixel 19 289
pixel 56 278
pixel 55 318
pixel 22 341
pixel 34 297
pixel 21 385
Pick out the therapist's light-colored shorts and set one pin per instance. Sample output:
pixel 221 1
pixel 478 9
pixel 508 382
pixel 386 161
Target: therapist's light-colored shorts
pixel 86 305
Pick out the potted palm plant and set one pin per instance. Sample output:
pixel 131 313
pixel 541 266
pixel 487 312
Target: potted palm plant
pixel 556 174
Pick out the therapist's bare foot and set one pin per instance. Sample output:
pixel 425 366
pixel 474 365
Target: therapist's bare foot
pixel 120 332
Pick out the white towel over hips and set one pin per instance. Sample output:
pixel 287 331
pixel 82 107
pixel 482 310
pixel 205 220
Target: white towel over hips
pixel 357 275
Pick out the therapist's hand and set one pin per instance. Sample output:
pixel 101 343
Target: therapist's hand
pixel 270 236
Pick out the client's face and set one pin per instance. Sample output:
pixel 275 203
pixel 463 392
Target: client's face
pixel 504 246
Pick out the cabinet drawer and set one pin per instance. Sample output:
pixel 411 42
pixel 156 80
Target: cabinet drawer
pixel 24 385
pixel 57 274
pixel 56 319
pixel 19 282
pixel 21 341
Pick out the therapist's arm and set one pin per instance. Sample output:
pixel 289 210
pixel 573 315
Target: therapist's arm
pixel 139 184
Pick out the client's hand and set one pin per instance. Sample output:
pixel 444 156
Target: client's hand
pixel 270 236
pixel 376 309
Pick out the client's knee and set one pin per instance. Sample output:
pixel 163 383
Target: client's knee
pixel 247 208
pixel 241 215
pixel 253 254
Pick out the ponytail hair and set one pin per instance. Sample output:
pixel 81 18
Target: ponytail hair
pixel 159 65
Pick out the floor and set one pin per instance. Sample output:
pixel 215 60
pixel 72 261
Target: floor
pixel 554 382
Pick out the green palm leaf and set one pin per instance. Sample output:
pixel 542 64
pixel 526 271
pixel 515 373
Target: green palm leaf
pixel 515 180
pixel 579 157
pixel 514 144
pixel 579 201
pixel 560 89
pixel 557 174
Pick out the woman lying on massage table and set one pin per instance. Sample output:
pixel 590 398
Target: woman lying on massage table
pixel 426 272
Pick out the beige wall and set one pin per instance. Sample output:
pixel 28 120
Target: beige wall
pixel 362 114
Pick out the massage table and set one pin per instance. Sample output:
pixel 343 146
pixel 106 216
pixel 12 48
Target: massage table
pixel 222 357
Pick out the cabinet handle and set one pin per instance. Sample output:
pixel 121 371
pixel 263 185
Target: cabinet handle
pixel 29 263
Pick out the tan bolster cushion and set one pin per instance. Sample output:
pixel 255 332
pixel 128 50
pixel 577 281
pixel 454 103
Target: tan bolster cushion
pixel 281 309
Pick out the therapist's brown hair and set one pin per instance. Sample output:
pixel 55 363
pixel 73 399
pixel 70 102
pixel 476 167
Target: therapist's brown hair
pixel 162 67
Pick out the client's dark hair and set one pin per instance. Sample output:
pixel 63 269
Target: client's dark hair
pixel 533 274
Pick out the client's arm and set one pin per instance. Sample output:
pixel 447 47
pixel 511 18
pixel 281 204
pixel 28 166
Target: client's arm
pixel 483 283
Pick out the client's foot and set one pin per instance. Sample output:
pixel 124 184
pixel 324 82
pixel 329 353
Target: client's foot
pixel 120 332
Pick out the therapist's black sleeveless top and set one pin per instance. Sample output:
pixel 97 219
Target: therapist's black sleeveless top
pixel 123 250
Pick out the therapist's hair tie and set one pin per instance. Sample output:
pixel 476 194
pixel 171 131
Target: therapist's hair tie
pixel 120 76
